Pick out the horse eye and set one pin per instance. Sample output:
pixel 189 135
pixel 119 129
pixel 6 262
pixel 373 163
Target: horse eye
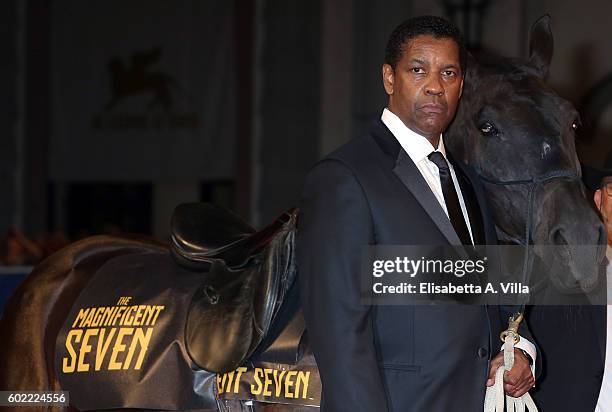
pixel 488 129
pixel 576 123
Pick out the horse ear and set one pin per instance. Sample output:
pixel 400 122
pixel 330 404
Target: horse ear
pixel 541 45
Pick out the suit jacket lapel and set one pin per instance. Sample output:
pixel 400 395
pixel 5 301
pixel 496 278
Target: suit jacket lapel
pixel 410 176
pixel 405 169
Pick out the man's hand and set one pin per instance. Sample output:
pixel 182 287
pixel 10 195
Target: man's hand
pixel 519 379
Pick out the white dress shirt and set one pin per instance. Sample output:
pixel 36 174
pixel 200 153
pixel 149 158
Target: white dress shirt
pixel 604 404
pixel 418 148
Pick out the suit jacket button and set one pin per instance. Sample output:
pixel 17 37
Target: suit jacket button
pixel 482 353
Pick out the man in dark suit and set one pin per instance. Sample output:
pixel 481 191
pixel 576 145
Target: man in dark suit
pixel 397 185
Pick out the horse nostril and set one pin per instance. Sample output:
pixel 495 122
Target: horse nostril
pixel 558 238
pixel 211 294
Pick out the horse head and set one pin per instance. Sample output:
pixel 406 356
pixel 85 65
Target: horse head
pixel 519 136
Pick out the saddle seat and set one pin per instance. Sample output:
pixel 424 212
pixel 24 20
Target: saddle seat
pixel 246 275
pixel 203 232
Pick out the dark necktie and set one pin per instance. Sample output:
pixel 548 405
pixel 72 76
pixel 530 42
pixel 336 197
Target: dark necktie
pixel 450 198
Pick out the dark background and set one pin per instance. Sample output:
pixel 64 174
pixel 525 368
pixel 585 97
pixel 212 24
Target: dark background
pixel 302 77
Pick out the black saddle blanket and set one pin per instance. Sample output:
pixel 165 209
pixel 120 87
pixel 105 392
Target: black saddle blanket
pixel 123 343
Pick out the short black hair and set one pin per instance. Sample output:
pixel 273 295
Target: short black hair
pixel 418 26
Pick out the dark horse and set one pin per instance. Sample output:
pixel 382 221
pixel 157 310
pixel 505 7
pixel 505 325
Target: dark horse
pixel 510 127
pixel 519 136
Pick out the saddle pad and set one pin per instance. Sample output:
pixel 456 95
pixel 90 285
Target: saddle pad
pixel 122 345
pixel 285 373
pixel 272 383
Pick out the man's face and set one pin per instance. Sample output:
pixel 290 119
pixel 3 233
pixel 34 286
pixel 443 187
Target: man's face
pixel 603 201
pixel 425 86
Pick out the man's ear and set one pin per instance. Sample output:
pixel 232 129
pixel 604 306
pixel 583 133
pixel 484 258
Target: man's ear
pixel 597 199
pixel 388 77
pixel 461 87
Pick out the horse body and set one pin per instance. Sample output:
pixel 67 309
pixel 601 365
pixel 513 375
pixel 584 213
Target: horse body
pixel 509 126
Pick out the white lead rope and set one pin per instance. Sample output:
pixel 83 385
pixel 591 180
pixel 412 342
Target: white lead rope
pixel 495 396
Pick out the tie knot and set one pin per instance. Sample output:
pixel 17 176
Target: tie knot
pixel 438 159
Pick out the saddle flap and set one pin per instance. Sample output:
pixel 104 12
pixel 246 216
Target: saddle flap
pixel 235 307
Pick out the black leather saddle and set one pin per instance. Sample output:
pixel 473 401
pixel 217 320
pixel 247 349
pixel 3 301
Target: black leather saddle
pixel 246 277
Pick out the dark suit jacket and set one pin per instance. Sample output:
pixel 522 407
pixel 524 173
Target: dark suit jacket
pixel 387 358
pixel 573 344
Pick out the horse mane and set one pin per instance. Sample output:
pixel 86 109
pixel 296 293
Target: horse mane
pixel 489 62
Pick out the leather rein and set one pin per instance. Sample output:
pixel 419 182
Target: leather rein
pixel 495 397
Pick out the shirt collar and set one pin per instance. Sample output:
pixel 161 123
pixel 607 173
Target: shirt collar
pixel 415 145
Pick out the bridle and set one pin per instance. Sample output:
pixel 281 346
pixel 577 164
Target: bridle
pixel 533 183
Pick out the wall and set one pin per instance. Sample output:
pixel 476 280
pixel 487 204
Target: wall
pixel 10 113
